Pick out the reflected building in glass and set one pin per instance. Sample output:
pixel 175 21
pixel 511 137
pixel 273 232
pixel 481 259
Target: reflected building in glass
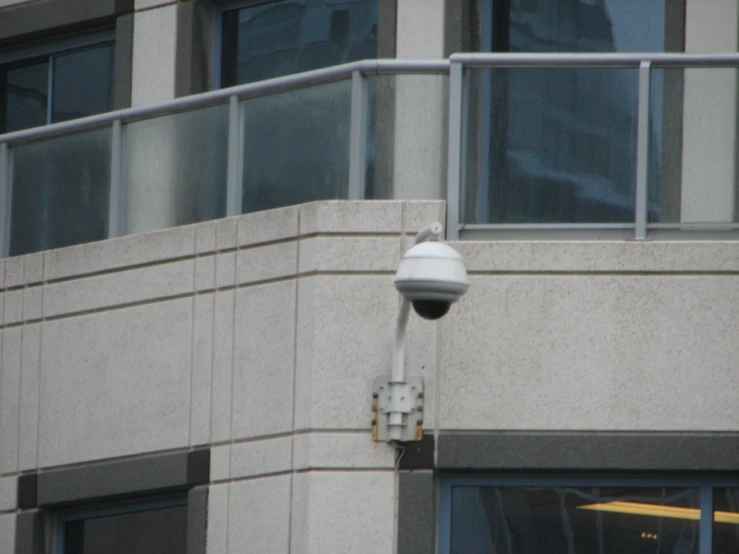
pixel 560 144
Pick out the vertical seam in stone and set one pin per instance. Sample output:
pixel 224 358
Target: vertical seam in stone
pixel 228 501
pixel 212 344
pixel 233 344
pixel 437 371
pixel 437 393
pixel 42 324
pixel 20 368
pixel 192 332
pixel 295 379
pixel 396 472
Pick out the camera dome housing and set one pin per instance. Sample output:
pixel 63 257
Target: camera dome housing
pixel 432 276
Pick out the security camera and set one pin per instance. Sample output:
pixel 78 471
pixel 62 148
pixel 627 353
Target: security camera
pixel 432 277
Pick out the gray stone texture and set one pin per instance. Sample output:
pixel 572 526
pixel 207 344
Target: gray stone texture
pixel 259 336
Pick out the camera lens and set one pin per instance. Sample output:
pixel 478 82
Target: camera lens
pixel 431 309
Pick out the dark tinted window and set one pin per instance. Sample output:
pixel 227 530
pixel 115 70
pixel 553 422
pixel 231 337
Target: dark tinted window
pixel 153 531
pixel 83 83
pixel 575 520
pixel 26 95
pixel 559 144
pixel 289 36
pixel 56 87
pixel 726 521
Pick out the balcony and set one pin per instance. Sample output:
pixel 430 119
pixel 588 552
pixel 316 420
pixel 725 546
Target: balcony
pixel 605 145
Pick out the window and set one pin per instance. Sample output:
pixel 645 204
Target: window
pixel 148 505
pixel 38 89
pixel 146 527
pixel 520 515
pixel 271 39
pixel 559 145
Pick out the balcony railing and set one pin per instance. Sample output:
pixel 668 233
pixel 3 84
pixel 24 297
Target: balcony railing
pixel 631 143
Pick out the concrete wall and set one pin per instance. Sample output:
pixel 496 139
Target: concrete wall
pixel 154 51
pixel 259 336
pixel 593 336
pixel 709 116
pixel 421 104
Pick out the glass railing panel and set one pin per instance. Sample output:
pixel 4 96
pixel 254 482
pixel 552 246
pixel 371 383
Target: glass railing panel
pixel 407 136
pixel 694 143
pixel 553 145
pixel 60 191
pixel 175 169
pixel 296 146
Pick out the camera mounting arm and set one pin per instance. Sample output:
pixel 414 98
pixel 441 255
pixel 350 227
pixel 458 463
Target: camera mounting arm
pixel 394 402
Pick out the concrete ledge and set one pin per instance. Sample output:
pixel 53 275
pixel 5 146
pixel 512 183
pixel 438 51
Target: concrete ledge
pixel 154 473
pixel 540 256
pixel 589 451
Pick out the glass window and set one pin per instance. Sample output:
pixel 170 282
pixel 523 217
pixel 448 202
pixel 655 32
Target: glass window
pixel 56 87
pixel 559 145
pixel 145 528
pixel 533 515
pixel 726 521
pixel 277 38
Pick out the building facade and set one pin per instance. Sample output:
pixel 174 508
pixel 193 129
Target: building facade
pixel 204 204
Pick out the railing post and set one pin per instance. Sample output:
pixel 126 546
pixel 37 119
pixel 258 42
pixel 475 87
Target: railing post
pixel 454 155
pixel 642 152
pixel 234 178
pixel 358 138
pixel 116 202
pixel 5 196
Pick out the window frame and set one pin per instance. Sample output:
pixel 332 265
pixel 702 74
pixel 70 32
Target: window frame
pixel 223 7
pixel 705 483
pixel 475 33
pixel 48 51
pixel 45 494
pixel 58 519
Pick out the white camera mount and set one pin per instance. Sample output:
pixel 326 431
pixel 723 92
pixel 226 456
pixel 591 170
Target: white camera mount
pixel 430 277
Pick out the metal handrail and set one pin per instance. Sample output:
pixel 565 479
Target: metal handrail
pixel 643 62
pixel 607 59
pixel 259 88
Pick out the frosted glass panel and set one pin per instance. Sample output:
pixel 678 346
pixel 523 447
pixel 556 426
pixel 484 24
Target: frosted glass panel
pixel 176 169
pixel 296 146
pixel 60 191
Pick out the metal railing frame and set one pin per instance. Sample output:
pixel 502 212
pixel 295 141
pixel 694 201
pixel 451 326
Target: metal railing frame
pixel 357 73
pixel 644 63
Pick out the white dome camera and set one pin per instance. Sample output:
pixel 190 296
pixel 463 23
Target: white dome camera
pixel 432 276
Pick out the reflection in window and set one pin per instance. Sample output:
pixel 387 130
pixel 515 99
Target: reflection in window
pixel 289 36
pixel 79 84
pixel 726 521
pixel 149 528
pixel 583 520
pixel 560 145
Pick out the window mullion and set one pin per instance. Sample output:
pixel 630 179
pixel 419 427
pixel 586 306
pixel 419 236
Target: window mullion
pixel 706 521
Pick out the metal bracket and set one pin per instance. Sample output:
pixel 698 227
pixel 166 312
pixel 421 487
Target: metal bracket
pixel 397 405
